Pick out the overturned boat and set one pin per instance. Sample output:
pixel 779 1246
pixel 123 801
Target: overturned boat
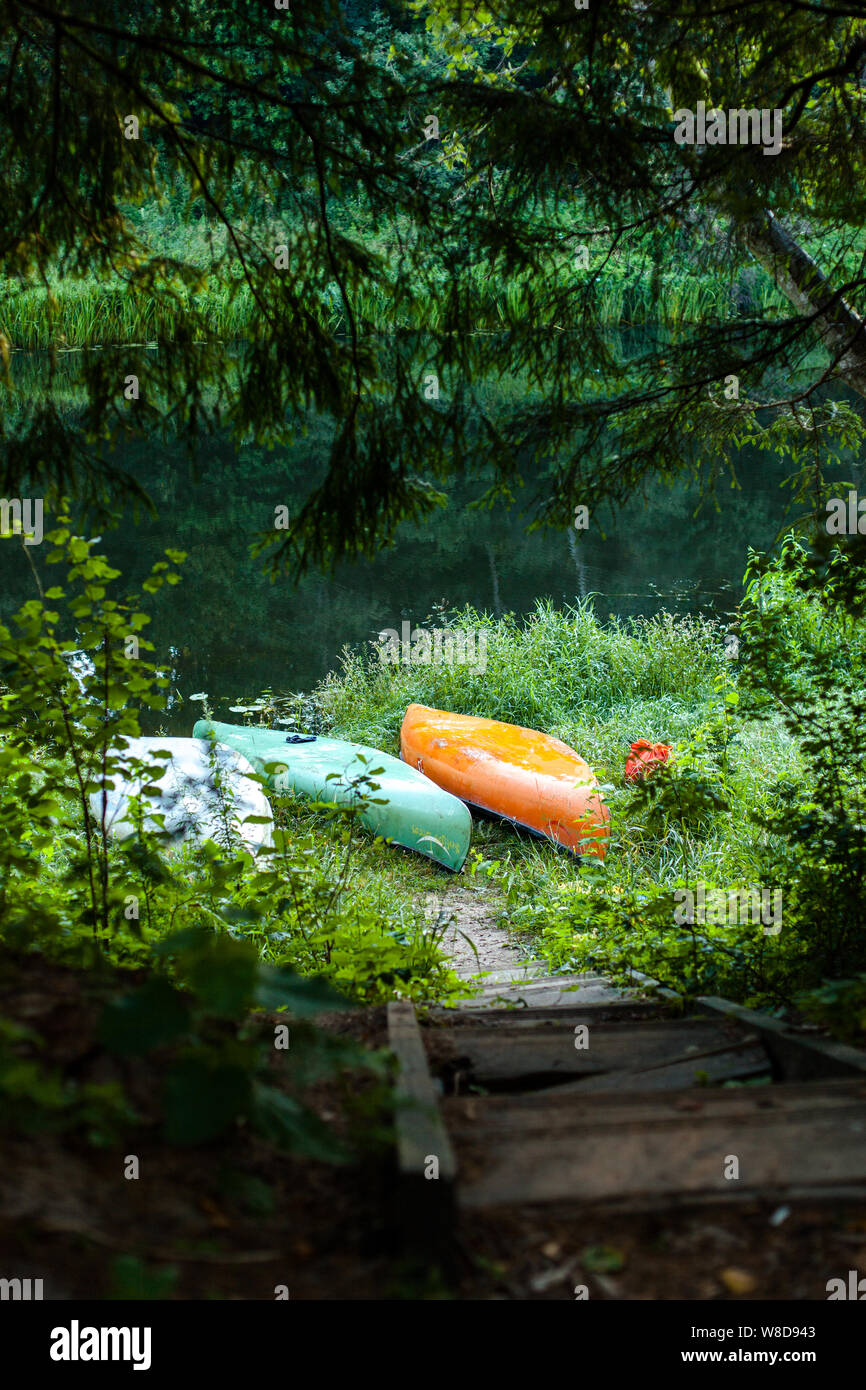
pixel 414 811
pixel 529 778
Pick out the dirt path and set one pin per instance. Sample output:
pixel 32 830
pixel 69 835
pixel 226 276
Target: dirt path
pixel 473 929
pixel 497 961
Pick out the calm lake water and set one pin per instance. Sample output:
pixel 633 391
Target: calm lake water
pixel 228 630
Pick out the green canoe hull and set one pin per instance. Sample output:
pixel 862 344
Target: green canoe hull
pixel 416 813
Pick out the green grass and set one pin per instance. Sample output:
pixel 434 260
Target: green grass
pixel 665 278
pixel 563 671
pixel 345 906
pixel 354 915
pixel 600 687
pixel 625 289
pixel 376 942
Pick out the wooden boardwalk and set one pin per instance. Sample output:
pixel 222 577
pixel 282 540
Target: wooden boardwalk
pixel 558 1090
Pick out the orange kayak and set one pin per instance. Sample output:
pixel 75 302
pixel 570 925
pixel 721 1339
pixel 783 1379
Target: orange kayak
pixel 529 778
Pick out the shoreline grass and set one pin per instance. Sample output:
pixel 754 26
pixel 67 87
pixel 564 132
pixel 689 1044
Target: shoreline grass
pixel 77 314
pixel 600 687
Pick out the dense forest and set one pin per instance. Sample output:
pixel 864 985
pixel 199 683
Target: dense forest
pixel 324 318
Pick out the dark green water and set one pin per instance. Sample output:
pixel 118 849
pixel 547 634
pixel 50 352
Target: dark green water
pixel 231 632
pixel 228 630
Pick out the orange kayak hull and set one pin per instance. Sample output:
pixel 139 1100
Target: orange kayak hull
pixel 527 777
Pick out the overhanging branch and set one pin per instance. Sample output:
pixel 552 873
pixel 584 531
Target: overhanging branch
pixel 839 327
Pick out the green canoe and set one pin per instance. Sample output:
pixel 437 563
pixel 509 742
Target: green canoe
pixel 416 813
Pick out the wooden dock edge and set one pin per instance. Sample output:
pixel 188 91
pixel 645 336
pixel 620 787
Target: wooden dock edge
pixel 796 1057
pixel 425 1205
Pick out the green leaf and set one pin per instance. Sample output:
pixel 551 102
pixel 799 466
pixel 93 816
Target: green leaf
pixel 301 995
pixel 153 1016
pixel 131 1279
pixel 223 976
pixel 200 1101
pixel 284 1120
pixel 602 1259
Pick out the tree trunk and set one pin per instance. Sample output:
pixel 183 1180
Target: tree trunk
pixel 840 328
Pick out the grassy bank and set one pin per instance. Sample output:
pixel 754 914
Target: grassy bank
pixel 763 794
pixel 669 279
pixel 196 281
pixel 85 314
pixel 726 815
pixel 599 687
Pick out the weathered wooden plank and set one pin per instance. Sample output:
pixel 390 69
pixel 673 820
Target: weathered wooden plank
pixel 521 973
pixel 798 1056
pixel 566 1016
pixel 540 1055
pixel 741 1062
pixel 544 1112
pixel 673 1147
pixel 551 992
pixel 420 1131
pixel 539 981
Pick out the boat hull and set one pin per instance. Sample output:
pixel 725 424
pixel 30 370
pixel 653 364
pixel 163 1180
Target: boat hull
pixel 415 813
pixel 526 777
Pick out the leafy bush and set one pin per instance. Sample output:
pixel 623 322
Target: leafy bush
pixel 763 795
pixel 548 671
pixel 220 935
